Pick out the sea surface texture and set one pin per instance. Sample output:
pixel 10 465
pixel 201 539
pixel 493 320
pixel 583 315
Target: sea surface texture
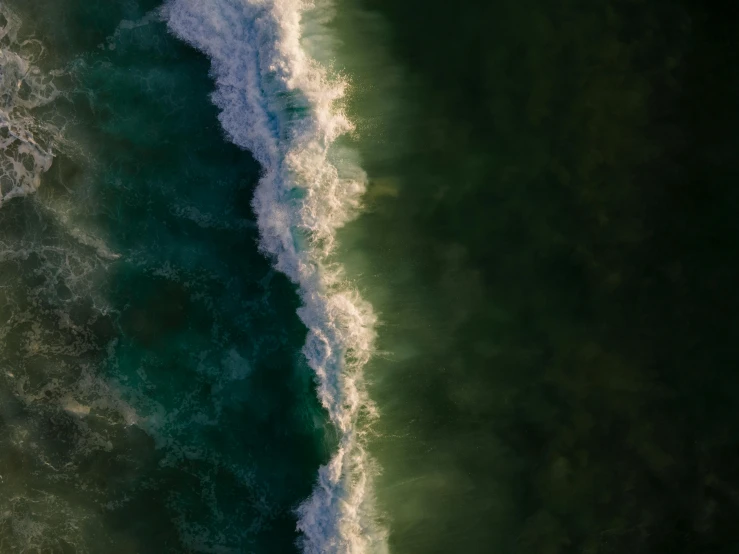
pixel 153 391
pixel 369 277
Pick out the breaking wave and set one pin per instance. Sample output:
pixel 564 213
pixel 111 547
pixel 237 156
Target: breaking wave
pixel 283 106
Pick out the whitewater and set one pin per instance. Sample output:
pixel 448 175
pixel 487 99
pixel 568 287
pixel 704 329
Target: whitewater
pixel 282 105
pixel 27 143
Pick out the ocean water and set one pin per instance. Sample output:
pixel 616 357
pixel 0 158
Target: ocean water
pixel 154 395
pixel 549 242
pixel 368 276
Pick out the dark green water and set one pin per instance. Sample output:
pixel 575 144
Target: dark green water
pixel 551 244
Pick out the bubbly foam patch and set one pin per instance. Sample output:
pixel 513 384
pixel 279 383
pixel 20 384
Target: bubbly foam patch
pixel 279 103
pixel 26 142
pixel 56 411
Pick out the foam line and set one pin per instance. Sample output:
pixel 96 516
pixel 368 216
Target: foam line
pixel 281 105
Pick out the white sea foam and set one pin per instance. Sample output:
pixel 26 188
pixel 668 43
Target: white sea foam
pixel 26 143
pixel 280 104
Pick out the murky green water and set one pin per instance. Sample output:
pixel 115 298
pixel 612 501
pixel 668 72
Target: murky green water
pixel 550 244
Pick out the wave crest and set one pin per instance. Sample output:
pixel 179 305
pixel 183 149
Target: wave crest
pixel 283 106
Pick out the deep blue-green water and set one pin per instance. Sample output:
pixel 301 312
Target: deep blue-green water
pixel 154 395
